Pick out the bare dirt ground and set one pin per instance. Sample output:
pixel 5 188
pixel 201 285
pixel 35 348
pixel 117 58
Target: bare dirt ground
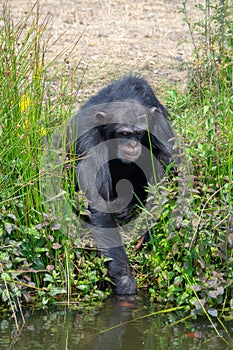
pixel 148 38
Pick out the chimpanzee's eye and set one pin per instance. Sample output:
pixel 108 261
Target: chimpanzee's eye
pixel 125 133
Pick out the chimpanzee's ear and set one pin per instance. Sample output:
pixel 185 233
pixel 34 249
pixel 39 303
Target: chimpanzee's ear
pixel 101 117
pixel 159 110
pixel 153 109
pixel 156 110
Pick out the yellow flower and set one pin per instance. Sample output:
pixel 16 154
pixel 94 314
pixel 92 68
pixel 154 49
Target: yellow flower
pixel 43 131
pixel 25 103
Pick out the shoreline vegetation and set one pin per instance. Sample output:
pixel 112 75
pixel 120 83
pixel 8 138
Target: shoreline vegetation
pixel 189 262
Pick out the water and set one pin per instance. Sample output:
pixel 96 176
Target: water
pixel 109 327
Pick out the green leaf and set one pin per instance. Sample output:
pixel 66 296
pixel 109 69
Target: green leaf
pixel 56 291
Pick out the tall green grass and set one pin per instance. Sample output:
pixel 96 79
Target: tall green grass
pixel 37 94
pixel 28 111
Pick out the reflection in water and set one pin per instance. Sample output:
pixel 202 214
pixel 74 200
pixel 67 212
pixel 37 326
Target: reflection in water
pixel 108 327
pixel 112 337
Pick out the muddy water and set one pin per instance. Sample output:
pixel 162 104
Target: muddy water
pixel 119 323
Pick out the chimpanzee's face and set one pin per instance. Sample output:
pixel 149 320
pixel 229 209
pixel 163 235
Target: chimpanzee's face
pixel 127 132
pixel 129 147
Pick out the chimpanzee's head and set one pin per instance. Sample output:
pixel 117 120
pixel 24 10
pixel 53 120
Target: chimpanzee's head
pixel 125 127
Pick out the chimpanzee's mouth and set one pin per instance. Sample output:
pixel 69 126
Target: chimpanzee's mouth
pixel 130 156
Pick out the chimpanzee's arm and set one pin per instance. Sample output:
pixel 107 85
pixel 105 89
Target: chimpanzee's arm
pixel 108 239
pixel 94 179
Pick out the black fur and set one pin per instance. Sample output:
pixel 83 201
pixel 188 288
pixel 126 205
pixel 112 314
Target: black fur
pixel 128 89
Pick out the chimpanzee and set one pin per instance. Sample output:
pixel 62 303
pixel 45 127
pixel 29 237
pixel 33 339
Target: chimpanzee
pixel 125 142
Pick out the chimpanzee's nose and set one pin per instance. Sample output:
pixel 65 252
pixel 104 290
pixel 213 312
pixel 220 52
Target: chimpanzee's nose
pixel 133 143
